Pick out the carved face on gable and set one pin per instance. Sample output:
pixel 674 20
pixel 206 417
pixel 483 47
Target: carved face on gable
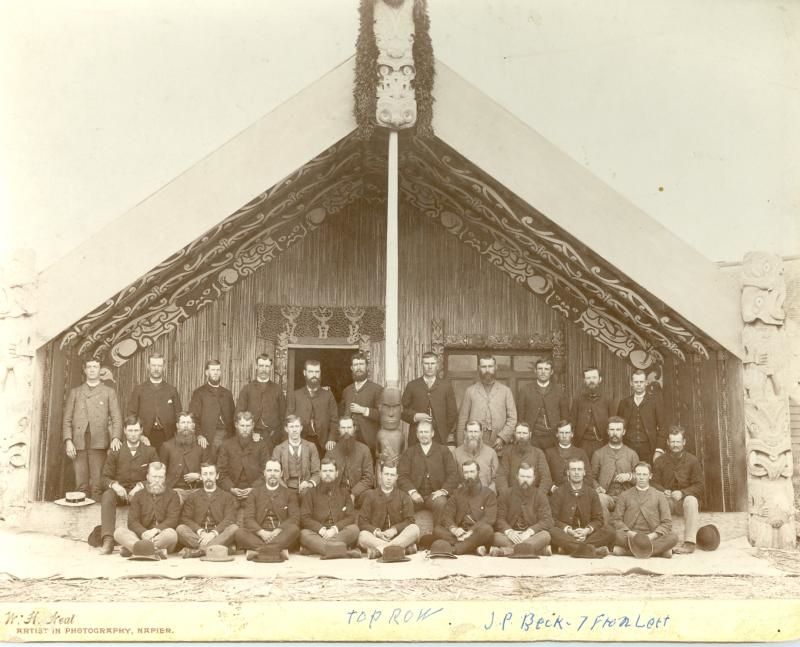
pixel 765 305
pixel 390 408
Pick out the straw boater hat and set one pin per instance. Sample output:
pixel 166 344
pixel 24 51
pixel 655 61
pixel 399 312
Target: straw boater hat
pixel 640 545
pixel 75 500
pixel 708 537
pixel 144 550
pixel 523 551
pixel 441 548
pixel 217 554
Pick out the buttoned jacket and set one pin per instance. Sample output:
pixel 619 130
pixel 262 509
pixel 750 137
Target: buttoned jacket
pixel 318 506
pixel 652 415
pixel 241 465
pixel 509 466
pixel 651 504
pixel 356 470
pixel 309 460
pixel 466 510
pixel 95 408
pixel 181 460
pixel 439 465
pixel 281 501
pixel 219 506
pixel 159 401
pixel 149 511
pixel 682 472
pixel 558 459
pixel 584 407
pixel 209 405
pixel 552 399
pixel 532 510
pixel 439 402
pixel 397 505
pixel 565 501
pixel 265 400
pixel 495 409
pixel 125 468
pixel 369 395
pixel 321 407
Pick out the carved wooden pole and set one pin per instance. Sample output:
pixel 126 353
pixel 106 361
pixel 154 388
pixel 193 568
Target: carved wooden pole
pixel 392 364
pixel 766 403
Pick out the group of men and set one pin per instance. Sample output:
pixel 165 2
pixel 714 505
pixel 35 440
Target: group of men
pixel 247 475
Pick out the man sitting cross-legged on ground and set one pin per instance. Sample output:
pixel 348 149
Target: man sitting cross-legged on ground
pixel 327 514
pixel 153 515
pixel 271 515
pixel 387 517
pixel 469 516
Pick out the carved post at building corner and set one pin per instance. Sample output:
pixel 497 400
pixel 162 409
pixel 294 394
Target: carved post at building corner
pixel 766 403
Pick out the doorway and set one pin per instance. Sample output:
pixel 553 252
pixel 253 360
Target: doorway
pixel 334 362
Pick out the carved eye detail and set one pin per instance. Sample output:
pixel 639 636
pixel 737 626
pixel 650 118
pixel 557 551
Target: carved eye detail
pixel 407 70
pixel 384 70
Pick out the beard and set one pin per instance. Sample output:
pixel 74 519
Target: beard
pixel 348 444
pixel 327 486
pixel 186 440
pixel 521 446
pixel 487 378
pixel 473 446
pixel 156 488
pixel 525 488
pixel 359 375
pixel 312 382
pixel 473 485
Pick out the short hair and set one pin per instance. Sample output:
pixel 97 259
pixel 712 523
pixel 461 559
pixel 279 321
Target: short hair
pixel 292 418
pixel 273 460
pixel 131 419
pixel 429 354
pixel 576 459
pixel 525 465
pixel 590 368
pixel 643 464
pixel 677 430
pixel 156 466
pixel 214 465
pixel 427 423
pixel 470 462
pixel 522 424
pixel 543 360
pixel 90 359
pixel 360 356
pixel 265 357
pixel 472 423
pixel 486 357
pixel 390 465
pixel 212 362
pixel 639 371
pixel 563 423
pixel 613 419
pixel 155 356
pixel 328 460
pixel 243 415
pixel 310 362
pixel 185 414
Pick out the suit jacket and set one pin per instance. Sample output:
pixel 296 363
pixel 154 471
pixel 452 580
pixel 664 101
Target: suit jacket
pixel 156 401
pixel 182 460
pixel 558 458
pixel 584 406
pixel 682 473
pixel 381 511
pixel 495 409
pixel 149 511
pixel 436 471
pixel 219 506
pixel 651 504
pixel 318 507
pixel 565 501
pixel 281 501
pixel 309 460
pixel 509 466
pixel 652 417
pixel 369 396
pixel 486 459
pixel 320 409
pixel 355 471
pixel 209 404
pixel 95 408
pixel 127 469
pixel 440 402
pixel 531 511
pixel 265 400
pixel 608 462
pixel 241 465
pixel 465 510
pixel 552 400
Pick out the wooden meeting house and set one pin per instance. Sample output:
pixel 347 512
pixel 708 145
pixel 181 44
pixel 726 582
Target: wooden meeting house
pixel 311 236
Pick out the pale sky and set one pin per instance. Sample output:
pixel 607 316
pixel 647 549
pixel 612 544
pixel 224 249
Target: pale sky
pixel 688 108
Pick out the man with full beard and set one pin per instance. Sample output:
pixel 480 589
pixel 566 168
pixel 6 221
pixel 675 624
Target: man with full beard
pixel 183 458
pixel 264 399
pixel 523 452
pixel 523 516
pixel 316 408
pixel 474 449
pixel 212 406
pixel 153 515
pixel 490 403
pixel 612 466
pixel 469 516
pixel 354 462
pixel 362 401
pixel 327 514
pixel 156 403
pixel 590 413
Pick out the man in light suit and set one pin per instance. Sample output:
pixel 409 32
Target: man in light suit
pixel 299 458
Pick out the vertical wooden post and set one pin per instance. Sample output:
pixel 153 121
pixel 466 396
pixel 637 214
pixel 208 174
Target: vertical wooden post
pixel 392 269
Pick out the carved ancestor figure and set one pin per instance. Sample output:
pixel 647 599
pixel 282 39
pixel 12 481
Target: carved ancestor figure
pixel 390 435
pixel 394 36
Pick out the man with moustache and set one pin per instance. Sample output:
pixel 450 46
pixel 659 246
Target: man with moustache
pixel 430 399
pixel 578 515
pixel 473 449
pixel 645 431
pixel 124 474
pixel 542 404
pixel 612 466
pixel 643 509
pixel 271 515
pixel 353 461
pixel 387 517
pixel 212 406
pixel 523 452
pixel 562 453
pixel 523 516
pixel 468 519
pixel 590 413
pixel 208 517
pixel 362 401
pixel 492 404
pixel 156 403
pixel 327 514
pixel 264 399
pixel 298 458
pixel 316 408
pixel 183 458
pixel 153 515
pixel 679 476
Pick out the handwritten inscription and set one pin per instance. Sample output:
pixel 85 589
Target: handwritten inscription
pixel 530 621
pixel 397 616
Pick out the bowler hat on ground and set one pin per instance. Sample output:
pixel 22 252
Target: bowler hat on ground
pixel 335 550
pixel 74 500
pixel 524 551
pixel 269 554
pixel 708 537
pixel 144 551
pixel 217 553
pixel 585 551
pixel 441 548
pixel 394 554
pixel 640 545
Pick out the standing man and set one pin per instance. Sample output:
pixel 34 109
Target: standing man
pixel 430 399
pixel 523 516
pixel 156 403
pixel 645 431
pixel 490 403
pixel 264 399
pixel 473 449
pixel 612 466
pixel 590 413
pixel 91 415
pixel 183 457
pixel 523 452
pixel 212 406
pixel 362 401
pixel 298 458
pixel 316 408
pixel 679 476
pixel 353 461
pixel 241 460
pixel 559 456
pixel 542 405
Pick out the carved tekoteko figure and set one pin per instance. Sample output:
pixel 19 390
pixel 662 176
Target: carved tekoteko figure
pixel 390 435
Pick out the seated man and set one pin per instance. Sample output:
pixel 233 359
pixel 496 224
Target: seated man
pixel 523 516
pixel 124 474
pixel 208 517
pixel 298 458
pixel 153 515
pixel 183 456
pixel 643 509
pixel 353 462
pixel 612 466
pixel 387 517
pixel 428 473
pixel 522 451
pixel 327 513
pixel 679 476
pixel 469 516
pixel 271 515
pixel 241 460
pixel 474 449
pixel 561 453
pixel 578 515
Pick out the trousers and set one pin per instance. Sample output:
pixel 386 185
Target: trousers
pixel 191 539
pixel 407 536
pixel 481 536
pixel 286 538
pixel 316 544
pixel 167 539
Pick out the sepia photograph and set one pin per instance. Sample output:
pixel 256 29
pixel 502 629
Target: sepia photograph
pixel 400 320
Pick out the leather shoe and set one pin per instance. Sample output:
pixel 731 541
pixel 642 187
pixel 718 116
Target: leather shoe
pixel 411 549
pixel 108 546
pixel 687 548
pixel 481 550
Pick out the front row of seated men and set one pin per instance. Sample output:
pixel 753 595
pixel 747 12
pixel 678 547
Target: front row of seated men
pixel 252 501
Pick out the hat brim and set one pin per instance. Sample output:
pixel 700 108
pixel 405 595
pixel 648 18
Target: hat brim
pixel 640 552
pixel 79 504
pixel 145 558
pixel 584 552
pixel 345 556
pixel 227 558
pixel 394 561
pixel 442 556
pixel 266 560
pixel 523 556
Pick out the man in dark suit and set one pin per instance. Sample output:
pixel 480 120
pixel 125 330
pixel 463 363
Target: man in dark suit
pixel 591 410
pixel 316 408
pixel 542 405
pixel 362 401
pixel 183 457
pixel 645 425
pixel 156 403
pixel 353 462
pixel 430 399
pixel 264 399
pixel 523 516
pixel 124 474
pixel 523 452
pixel 212 406
pixel 564 451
